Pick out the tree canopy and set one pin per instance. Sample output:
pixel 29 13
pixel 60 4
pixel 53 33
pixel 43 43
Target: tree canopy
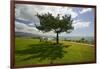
pixel 58 23
pixel 50 23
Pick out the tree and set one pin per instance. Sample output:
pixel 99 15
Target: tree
pixel 82 39
pixel 58 24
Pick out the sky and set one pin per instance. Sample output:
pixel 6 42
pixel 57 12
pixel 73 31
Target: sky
pixel 25 19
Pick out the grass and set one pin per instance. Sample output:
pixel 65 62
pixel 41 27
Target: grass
pixel 32 51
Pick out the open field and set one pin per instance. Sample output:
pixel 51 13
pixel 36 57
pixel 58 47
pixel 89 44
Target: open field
pixel 32 51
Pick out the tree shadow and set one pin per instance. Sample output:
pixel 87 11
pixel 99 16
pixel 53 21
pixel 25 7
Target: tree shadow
pixel 43 51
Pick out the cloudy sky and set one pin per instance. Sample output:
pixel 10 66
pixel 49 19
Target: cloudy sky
pixel 25 18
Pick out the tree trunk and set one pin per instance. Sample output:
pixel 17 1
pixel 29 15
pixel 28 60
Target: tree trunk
pixel 57 38
pixel 51 62
pixel 40 39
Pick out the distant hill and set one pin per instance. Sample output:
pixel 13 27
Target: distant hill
pixel 23 34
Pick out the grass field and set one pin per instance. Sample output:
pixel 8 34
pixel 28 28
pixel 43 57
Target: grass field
pixel 32 51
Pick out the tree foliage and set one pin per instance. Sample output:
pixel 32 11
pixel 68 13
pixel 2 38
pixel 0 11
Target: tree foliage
pixel 58 24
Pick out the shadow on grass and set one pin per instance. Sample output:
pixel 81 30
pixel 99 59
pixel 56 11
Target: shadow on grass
pixel 44 51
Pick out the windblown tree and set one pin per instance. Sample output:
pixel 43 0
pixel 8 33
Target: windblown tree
pixel 58 24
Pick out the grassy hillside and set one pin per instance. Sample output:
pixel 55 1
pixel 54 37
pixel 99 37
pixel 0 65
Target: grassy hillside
pixel 32 51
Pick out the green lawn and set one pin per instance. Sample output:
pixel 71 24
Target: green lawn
pixel 32 51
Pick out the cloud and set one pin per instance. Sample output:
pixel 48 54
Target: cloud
pixel 78 24
pixel 26 12
pixel 58 10
pixel 29 11
pixel 84 10
pixel 21 27
pixel 26 16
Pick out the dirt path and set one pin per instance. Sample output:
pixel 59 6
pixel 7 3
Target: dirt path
pixel 82 43
pixel 77 43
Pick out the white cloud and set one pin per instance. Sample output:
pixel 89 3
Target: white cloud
pixel 58 10
pixel 21 27
pixel 26 12
pixel 29 11
pixel 84 10
pixel 81 24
